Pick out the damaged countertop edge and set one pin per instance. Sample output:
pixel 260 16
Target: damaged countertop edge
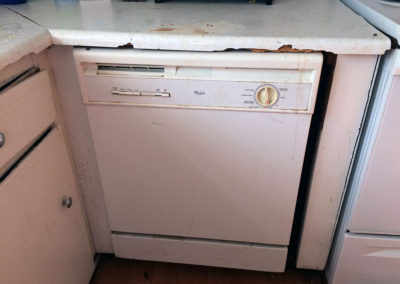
pixel 35 44
pixel 32 34
pixel 161 41
pixel 19 37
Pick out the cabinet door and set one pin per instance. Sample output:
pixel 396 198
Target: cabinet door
pixel 41 240
pixel 377 209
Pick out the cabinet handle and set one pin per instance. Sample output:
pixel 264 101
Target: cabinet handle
pixel 67 202
pixel 2 139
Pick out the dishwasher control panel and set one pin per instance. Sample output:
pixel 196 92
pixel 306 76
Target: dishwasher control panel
pixel 198 93
pixel 247 81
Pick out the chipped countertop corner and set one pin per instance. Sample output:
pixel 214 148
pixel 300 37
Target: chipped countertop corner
pixel 285 26
pixel 19 37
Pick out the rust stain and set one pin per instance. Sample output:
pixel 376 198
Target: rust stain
pixel 162 29
pixel 284 48
pixel 200 31
pixel 191 29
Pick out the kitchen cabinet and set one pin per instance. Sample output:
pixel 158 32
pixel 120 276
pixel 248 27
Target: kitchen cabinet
pixel 366 248
pixel 41 239
pixel 323 25
pixel 328 181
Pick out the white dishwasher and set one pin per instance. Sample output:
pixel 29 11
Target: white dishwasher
pixel 200 154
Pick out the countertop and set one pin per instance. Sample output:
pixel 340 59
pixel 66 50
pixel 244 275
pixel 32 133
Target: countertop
pixel 382 14
pixel 292 25
pixel 19 36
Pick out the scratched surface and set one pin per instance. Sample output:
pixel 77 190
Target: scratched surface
pixel 204 26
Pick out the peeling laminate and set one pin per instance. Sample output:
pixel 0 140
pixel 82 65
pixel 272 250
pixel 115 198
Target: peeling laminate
pixel 285 26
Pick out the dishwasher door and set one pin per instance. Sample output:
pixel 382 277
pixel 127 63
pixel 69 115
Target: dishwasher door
pixel 200 173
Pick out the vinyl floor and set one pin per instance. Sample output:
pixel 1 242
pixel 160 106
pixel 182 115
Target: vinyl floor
pixel 112 270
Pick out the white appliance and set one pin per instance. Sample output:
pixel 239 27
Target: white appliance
pixel 200 154
pixel 367 244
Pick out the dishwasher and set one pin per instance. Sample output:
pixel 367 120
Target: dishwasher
pixel 200 153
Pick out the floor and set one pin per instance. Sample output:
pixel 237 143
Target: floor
pixel 115 270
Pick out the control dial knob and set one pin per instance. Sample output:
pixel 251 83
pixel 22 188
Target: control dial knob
pixel 267 95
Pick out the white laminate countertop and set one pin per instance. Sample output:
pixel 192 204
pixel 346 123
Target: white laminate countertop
pixel 326 25
pixel 385 15
pixel 19 36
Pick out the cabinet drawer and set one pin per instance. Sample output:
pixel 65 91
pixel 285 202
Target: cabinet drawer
pixel 368 259
pixel 42 241
pixel 26 110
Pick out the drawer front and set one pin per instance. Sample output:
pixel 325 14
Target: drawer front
pixel 201 252
pixel 42 241
pixel 26 110
pixel 367 259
